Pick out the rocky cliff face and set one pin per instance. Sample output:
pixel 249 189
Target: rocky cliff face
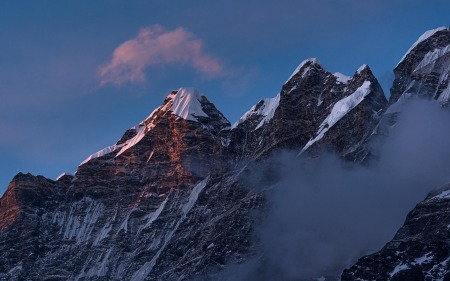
pixel 168 201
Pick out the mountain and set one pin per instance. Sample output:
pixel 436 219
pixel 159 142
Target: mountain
pixel 174 197
pixel 314 110
pixel 419 250
pixel 424 70
pixel 170 199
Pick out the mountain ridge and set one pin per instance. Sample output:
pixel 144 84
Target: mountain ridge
pixel 170 199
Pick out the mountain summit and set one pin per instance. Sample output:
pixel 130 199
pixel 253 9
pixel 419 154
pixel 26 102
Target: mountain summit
pixel 424 70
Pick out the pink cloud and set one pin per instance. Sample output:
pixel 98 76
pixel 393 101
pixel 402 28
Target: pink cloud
pixel 158 46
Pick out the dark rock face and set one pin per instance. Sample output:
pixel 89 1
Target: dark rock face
pixel 168 201
pixel 425 69
pixel 314 110
pixel 419 250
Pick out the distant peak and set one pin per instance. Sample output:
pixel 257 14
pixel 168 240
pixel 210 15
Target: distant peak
pixel 302 65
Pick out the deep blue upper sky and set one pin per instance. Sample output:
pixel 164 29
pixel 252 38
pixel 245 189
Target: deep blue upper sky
pixel 74 75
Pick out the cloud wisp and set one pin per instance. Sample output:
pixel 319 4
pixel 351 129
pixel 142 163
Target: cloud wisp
pixel 157 46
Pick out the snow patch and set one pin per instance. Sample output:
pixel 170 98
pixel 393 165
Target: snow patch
pixel 438 270
pixel 225 142
pixel 154 216
pixel 341 77
pixel 424 259
pixel 422 38
pixel 340 109
pixel 150 157
pixel 361 68
pixel 102 152
pixel 299 67
pixel 79 225
pixel 441 196
pixel 147 268
pixel 399 268
pixel 432 56
pixel 194 196
pixel 64 174
pixel 103 233
pixel 124 224
pixel 266 110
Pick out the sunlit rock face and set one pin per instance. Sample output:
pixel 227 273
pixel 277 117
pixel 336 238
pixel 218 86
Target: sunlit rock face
pixel 424 70
pixel 170 200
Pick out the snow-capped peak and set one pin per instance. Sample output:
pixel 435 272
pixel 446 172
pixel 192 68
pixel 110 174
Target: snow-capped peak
pixel 185 103
pixel 361 68
pixel 301 65
pixel 422 38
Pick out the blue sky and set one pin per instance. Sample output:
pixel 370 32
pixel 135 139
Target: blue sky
pixel 74 75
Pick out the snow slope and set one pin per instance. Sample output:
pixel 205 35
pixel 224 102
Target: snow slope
pixel 340 109
pixel 266 111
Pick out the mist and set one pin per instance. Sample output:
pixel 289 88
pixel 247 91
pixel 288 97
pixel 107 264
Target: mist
pixel 323 214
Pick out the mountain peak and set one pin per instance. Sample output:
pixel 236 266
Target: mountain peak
pixel 423 70
pixel 185 103
pixel 362 68
pixel 427 34
pixel 303 67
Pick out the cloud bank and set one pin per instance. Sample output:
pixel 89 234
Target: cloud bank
pixel 324 214
pixel 157 46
